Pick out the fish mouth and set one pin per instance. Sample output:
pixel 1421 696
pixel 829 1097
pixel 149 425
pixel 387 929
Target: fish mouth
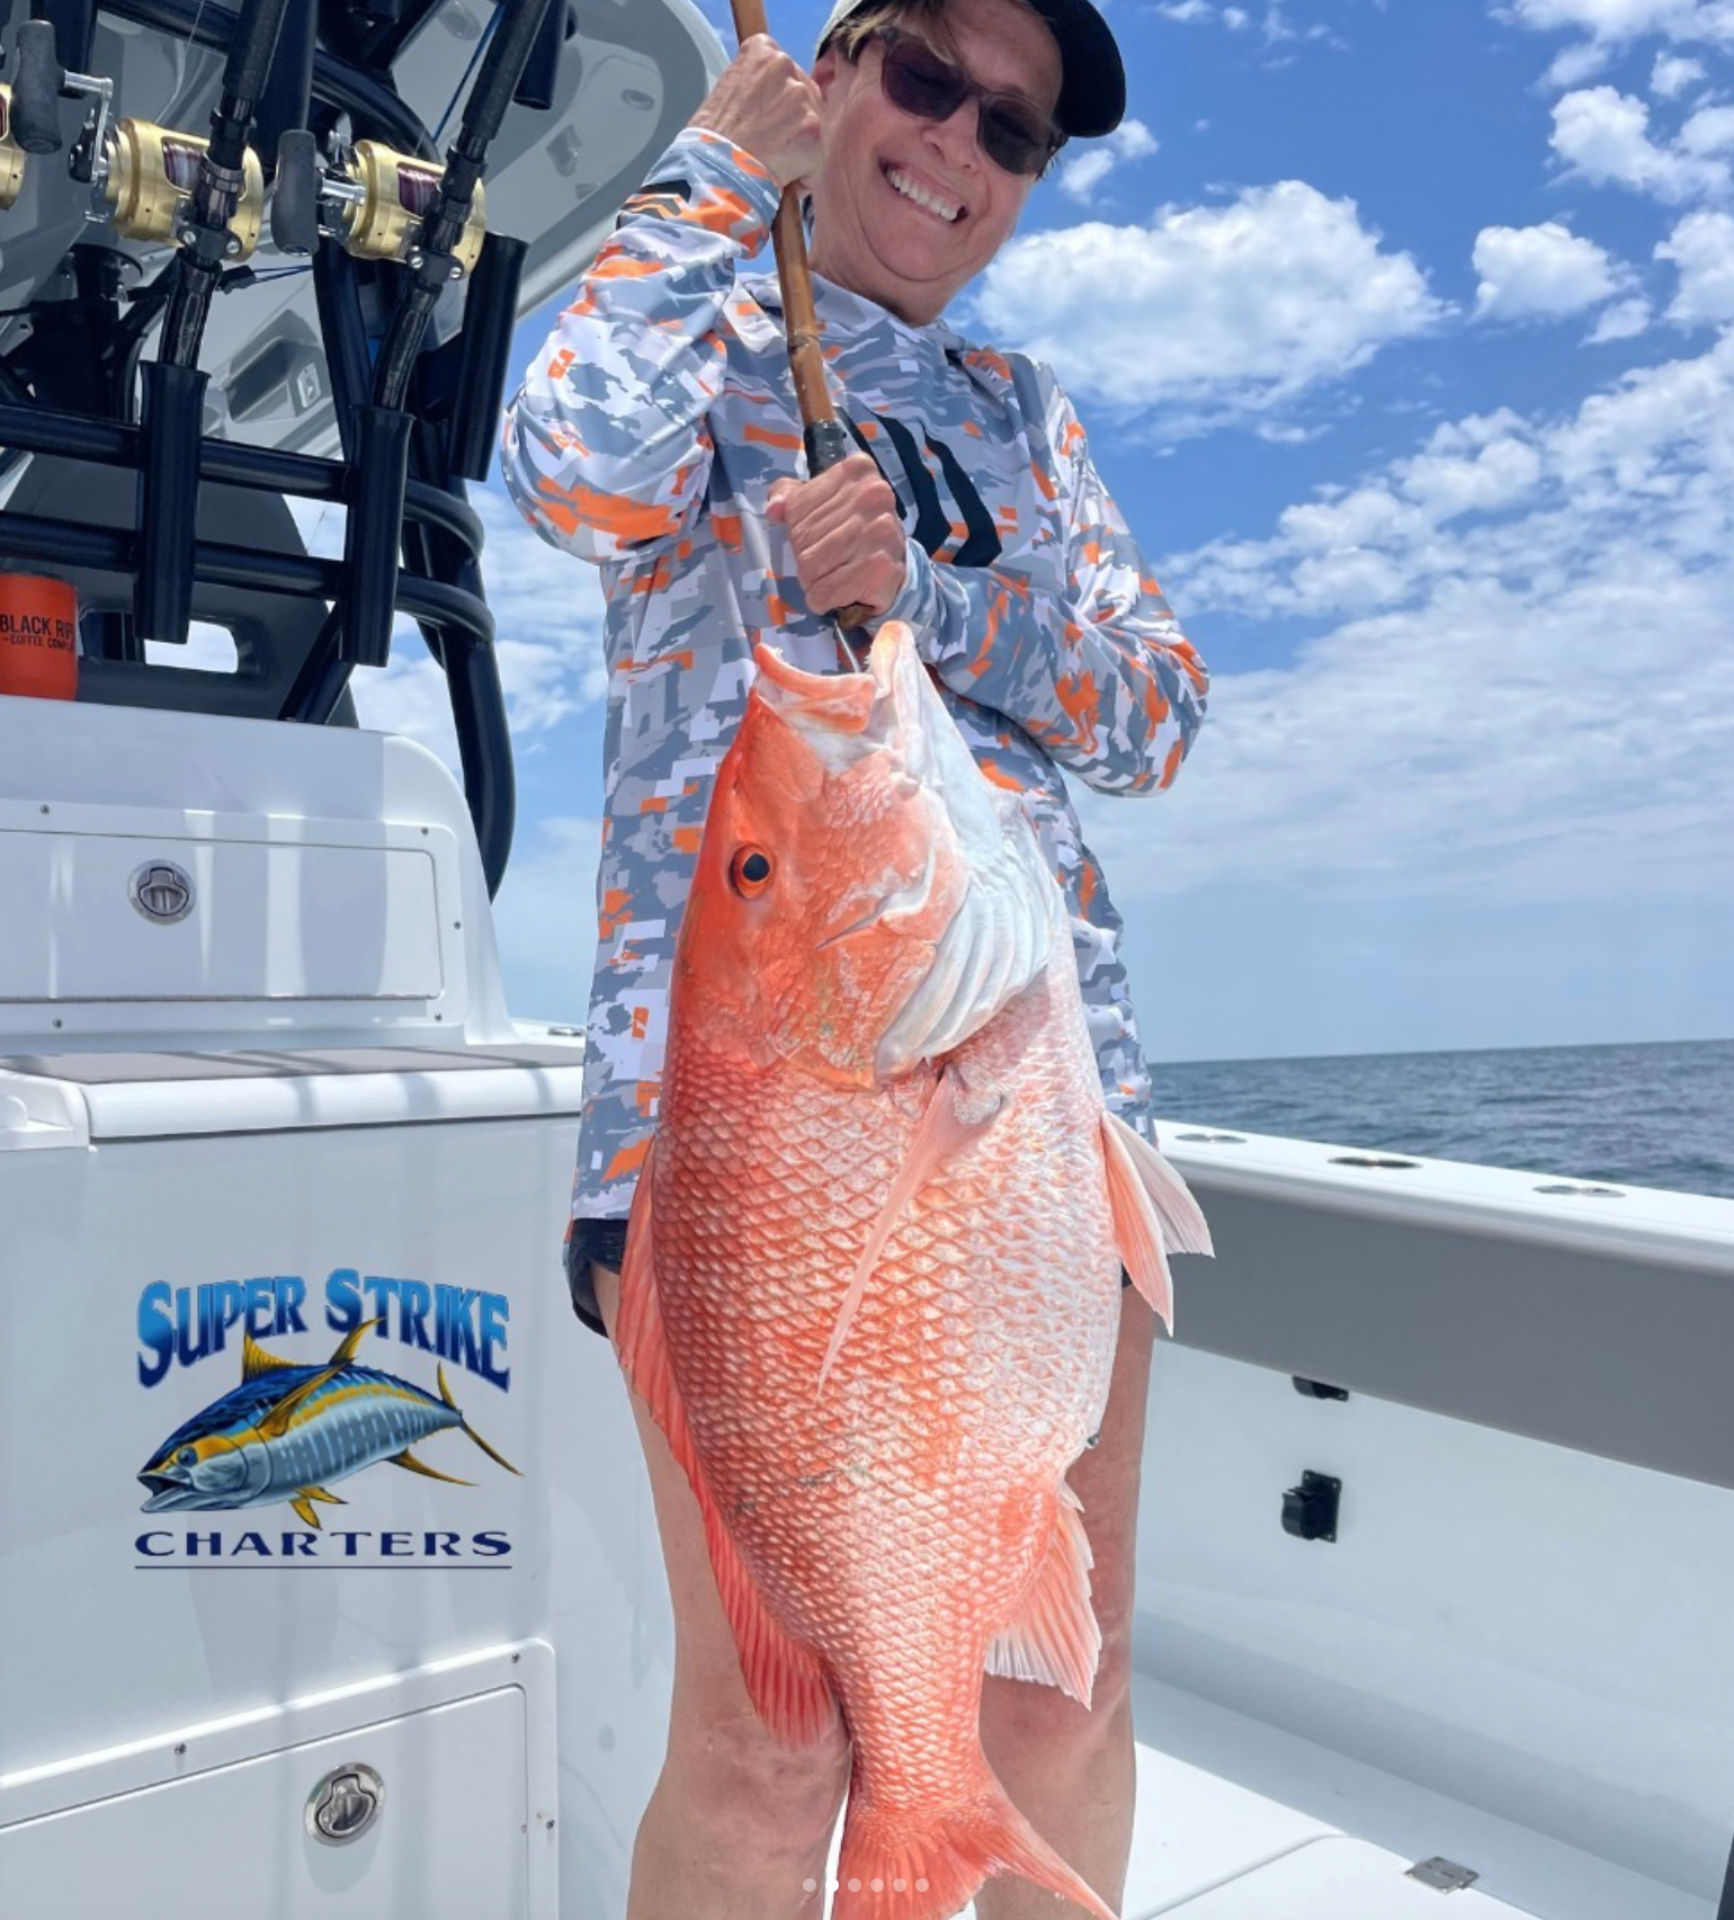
pixel 844 717
pixel 166 1494
pixel 833 713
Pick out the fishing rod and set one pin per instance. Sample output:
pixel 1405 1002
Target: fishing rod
pixel 824 435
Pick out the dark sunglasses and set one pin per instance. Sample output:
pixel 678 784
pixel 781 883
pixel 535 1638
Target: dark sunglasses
pixel 916 80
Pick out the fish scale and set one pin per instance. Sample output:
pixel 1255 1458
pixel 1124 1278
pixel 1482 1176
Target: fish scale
pixel 873 1300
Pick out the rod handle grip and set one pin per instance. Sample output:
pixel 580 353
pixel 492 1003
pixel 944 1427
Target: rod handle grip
pixel 36 90
pixel 295 195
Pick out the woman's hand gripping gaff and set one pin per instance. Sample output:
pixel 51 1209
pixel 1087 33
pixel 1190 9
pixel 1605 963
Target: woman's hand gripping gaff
pixel 847 535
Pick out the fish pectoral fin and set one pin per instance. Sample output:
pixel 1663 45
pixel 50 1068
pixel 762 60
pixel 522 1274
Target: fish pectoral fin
pixel 785 1679
pixel 1055 1638
pixel 408 1459
pixel 275 1424
pixel 956 1117
pixel 303 1505
pixel 1154 1213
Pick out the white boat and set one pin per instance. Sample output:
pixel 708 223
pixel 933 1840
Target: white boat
pixel 259 1086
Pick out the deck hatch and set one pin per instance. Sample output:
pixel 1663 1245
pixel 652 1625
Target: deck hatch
pixel 202 907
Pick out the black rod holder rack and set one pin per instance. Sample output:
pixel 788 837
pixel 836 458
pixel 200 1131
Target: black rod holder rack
pixel 455 613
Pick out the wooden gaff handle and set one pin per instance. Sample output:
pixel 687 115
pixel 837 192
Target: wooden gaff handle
pixel 801 322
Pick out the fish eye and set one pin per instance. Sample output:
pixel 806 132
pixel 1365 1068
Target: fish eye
pixel 750 871
pixel 187 1457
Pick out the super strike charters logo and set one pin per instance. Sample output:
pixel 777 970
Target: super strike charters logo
pixel 296 1426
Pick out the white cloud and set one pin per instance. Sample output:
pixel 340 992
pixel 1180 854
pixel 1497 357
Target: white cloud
pixel 1223 311
pixel 1521 691
pixel 1611 25
pixel 1603 135
pixel 1701 247
pixel 1672 74
pixel 1131 140
pixel 1573 65
pixel 1543 271
pixel 1275 27
pixel 1710 130
pixel 1621 20
pixel 1286 433
pixel 1623 320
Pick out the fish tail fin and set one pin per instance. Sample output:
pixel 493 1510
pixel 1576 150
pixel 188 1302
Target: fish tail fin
pixel 896 1867
pixel 499 1459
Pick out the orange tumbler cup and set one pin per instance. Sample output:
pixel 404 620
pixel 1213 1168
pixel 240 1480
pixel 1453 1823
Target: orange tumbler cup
pixel 38 636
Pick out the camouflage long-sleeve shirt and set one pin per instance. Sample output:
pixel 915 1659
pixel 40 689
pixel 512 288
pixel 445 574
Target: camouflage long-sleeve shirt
pixel 646 438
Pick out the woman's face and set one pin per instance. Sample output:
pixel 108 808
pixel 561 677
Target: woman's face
pixel 870 231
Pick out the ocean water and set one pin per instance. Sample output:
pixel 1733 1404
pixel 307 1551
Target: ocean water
pixel 1659 1115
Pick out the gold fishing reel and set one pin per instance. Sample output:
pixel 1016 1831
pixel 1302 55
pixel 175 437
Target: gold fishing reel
pixel 149 181
pixel 12 156
pixel 379 198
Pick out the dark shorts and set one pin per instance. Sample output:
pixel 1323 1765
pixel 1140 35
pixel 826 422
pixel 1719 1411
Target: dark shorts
pixel 604 1242
pixel 601 1241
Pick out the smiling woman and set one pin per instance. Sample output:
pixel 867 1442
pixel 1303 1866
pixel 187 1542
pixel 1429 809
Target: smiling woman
pixel 656 437
pixel 907 207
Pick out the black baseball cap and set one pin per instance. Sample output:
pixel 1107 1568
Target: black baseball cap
pixel 1092 76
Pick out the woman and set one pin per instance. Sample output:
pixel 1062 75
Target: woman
pixel 657 437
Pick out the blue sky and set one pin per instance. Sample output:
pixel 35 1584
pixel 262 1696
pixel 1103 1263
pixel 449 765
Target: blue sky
pixel 1403 337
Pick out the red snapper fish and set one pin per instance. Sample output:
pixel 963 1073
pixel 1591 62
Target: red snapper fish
pixel 871 1290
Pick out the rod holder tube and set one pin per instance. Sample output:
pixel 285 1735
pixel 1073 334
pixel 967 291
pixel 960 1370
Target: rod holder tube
pixel 484 748
pixel 484 355
pixel 378 481
pixel 171 426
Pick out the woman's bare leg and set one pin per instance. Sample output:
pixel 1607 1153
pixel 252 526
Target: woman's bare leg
pixel 738 1825
pixel 1071 1773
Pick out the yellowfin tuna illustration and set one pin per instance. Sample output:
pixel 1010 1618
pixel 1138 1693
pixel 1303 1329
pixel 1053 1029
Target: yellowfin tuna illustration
pixel 288 1431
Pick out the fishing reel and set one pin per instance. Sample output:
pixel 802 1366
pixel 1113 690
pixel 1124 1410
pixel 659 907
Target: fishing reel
pixel 372 201
pixel 142 175
pixel 146 179
pixel 30 110
pixel 13 158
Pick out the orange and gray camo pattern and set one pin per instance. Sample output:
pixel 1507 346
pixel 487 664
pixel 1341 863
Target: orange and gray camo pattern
pixel 645 439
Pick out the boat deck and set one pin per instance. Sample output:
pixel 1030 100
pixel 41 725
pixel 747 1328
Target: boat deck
pixel 1238 1820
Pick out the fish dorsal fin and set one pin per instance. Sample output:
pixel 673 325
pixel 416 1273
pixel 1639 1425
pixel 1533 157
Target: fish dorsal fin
pixel 787 1684
pixel 1055 1638
pixel 1154 1213
pixel 350 1344
pixel 955 1118
pixel 255 1360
